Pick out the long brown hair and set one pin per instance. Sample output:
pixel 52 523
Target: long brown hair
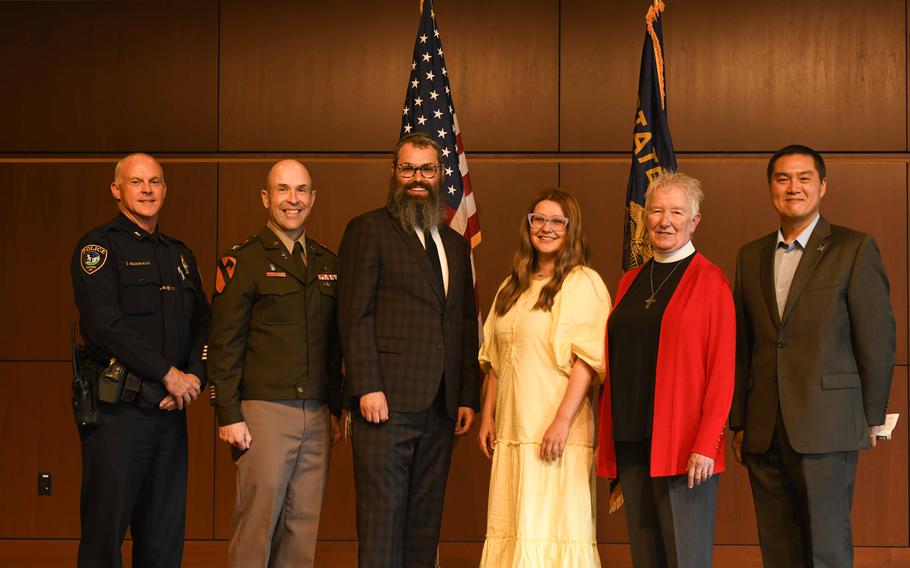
pixel 574 252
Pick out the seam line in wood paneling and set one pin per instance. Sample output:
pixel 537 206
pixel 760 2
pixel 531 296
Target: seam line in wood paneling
pixel 215 439
pixel 218 80
pixel 558 82
pixel 476 157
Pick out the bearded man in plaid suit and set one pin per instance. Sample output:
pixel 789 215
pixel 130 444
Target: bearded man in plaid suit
pixel 408 326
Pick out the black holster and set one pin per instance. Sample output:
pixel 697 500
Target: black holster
pixel 86 411
pixel 117 384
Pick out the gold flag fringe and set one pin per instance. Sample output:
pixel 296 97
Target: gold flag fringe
pixel 653 13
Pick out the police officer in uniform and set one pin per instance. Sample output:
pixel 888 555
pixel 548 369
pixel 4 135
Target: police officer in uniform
pixel 141 303
pixel 275 369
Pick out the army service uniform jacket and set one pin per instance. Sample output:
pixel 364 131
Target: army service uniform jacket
pixel 141 301
pixel 274 332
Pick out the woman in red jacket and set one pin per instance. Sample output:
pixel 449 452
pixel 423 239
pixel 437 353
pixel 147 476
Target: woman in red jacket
pixel 671 339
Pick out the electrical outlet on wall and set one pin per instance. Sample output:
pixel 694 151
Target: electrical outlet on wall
pixel 45 483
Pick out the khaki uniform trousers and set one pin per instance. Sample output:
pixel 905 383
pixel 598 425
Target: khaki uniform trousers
pixel 281 481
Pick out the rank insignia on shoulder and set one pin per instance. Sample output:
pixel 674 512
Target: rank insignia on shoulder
pixel 185 265
pixel 239 246
pixel 92 258
pixel 327 277
pixel 224 273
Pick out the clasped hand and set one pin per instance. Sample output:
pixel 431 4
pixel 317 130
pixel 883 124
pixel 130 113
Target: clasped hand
pixel 183 388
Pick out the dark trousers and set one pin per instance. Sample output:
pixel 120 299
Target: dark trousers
pixel 400 472
pixel 670 525
pixel 133 475
pixel 802 502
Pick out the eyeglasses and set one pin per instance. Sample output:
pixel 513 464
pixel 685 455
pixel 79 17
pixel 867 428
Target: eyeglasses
pixel 557 222
pixel 428 171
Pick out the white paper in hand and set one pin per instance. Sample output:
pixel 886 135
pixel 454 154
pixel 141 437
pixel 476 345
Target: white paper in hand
pixel 890 423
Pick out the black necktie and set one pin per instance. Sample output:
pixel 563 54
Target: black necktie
pixel 433 255
pixel 298 258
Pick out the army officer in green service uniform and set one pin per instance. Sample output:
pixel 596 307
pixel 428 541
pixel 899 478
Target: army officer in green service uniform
pixel 275 370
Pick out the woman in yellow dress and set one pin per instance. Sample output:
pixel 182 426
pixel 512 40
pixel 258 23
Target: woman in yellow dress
pixel 543 348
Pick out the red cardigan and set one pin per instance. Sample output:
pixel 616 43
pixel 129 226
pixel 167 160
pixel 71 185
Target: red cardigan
pixel 693 386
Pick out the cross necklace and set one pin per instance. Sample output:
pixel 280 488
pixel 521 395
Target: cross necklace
pixel 650 301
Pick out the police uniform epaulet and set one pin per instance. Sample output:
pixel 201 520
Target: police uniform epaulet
pixel 322 245
pixel 245 243
pixel 172 239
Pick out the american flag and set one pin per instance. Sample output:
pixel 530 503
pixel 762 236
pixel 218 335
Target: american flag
pixel 428 108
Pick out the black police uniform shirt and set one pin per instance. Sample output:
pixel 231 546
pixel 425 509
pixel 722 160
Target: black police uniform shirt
pixel 141 301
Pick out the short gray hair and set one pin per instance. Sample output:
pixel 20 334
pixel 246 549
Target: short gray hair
pixel 690 186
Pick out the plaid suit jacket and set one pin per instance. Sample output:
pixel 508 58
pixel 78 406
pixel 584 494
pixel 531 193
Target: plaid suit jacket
pixel 400 332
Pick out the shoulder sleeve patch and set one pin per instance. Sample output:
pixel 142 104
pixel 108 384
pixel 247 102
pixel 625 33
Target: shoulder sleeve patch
pixel 224 273
pixel 92 258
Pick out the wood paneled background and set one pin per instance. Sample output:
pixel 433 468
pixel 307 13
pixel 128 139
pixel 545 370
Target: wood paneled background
pixel 546 91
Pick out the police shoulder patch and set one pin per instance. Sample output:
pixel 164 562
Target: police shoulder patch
pixel 92 258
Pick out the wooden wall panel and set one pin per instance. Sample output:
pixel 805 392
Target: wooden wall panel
pixel 108 76
pixel 504 68
pixel 37 433
pixel 760 76
pixel 313 76
pixel 741 76
pixel 340 85
pixel 880 500
pixel 464 517
pixel 41 228
pixel 600 56
pixel 200 508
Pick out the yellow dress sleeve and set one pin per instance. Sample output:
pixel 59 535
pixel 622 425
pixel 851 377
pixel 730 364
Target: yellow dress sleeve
pixel 580 321
pixel 488 356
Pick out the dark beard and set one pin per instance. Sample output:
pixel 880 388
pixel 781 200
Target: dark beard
pixel 416 213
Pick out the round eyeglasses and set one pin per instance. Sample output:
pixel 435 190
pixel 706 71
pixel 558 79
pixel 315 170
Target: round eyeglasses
pixel 557 222
pixel 428 171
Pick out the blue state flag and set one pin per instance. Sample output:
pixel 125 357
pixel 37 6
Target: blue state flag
pixel 652 148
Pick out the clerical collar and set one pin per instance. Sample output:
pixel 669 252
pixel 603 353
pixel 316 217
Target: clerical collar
pixel 679 254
